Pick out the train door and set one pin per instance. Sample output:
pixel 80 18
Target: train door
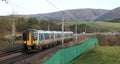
pixel 30 41
pixel 39 40
pixel 34 38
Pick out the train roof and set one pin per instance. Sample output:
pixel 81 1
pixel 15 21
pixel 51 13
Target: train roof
pixel 43 31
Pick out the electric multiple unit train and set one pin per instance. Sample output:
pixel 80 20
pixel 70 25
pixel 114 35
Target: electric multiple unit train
pixel 39 39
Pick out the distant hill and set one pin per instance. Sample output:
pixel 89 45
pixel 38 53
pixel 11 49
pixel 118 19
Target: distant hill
pixel 79 14
pixel 111 15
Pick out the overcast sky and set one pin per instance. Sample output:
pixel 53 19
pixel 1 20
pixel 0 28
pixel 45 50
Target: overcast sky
pixel 42 6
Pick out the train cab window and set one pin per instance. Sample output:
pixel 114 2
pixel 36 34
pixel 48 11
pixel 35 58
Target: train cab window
pixel 25 36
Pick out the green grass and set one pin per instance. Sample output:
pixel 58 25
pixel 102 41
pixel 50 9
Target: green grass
pixel 100 55
pixel 93 24
pixel 113 27
pixel 74 22
pixel 110 24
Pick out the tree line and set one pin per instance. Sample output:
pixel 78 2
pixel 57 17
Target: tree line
pixel 22 24
pixel 88 29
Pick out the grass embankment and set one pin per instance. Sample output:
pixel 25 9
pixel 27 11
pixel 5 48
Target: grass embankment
pixel 7 45
pixel 100 55
pixel 6 42
pixel 111 26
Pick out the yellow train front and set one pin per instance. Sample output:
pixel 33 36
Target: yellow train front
pixel 39 39
pixel 29 38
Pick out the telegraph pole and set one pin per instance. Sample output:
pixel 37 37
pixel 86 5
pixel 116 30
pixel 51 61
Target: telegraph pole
pixel 63 31
pixel 76 32
pixel 13 29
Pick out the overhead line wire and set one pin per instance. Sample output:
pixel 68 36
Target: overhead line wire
pixel 53 5
pixel 17 5
pixel 67 12
pixel 19 8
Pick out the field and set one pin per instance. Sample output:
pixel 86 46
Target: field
pixel 112 27
pixel 100 55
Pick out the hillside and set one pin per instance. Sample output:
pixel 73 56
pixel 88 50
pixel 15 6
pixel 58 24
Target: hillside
pixel 79 14
pixel 111 15
pixel 100 55
pixel 97 26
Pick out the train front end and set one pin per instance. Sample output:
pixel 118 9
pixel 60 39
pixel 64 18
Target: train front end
pixel 29 38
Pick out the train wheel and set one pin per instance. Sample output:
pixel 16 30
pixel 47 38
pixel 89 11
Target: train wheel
pixel 51 45
pixel 24 47
pixel 28 50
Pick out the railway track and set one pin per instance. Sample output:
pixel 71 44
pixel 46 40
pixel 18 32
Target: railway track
pixel 13 59
pixel 23 58
pixel 16 56
pixel 9 56
pixel 38 55
pixel 11 51
pixel 43 55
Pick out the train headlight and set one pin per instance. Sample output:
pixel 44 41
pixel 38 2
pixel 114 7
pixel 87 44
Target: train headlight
pixel 25 42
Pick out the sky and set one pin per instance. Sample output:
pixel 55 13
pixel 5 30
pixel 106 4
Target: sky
pixel 43 6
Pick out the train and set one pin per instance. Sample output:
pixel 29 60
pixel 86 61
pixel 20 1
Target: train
pixel 39 39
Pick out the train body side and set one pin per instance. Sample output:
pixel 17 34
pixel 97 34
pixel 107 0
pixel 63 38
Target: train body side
pixel 38 39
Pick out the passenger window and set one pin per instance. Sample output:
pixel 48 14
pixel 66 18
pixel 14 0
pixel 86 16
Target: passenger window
pixel 41 36
pixel 57 35
pixel 49 36
pixel 46 36
pixel 52 35
pixel 34 36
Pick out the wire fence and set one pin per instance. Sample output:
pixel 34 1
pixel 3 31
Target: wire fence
pixel 64 56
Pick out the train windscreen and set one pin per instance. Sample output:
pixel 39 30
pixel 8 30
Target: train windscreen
pixel 25 36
